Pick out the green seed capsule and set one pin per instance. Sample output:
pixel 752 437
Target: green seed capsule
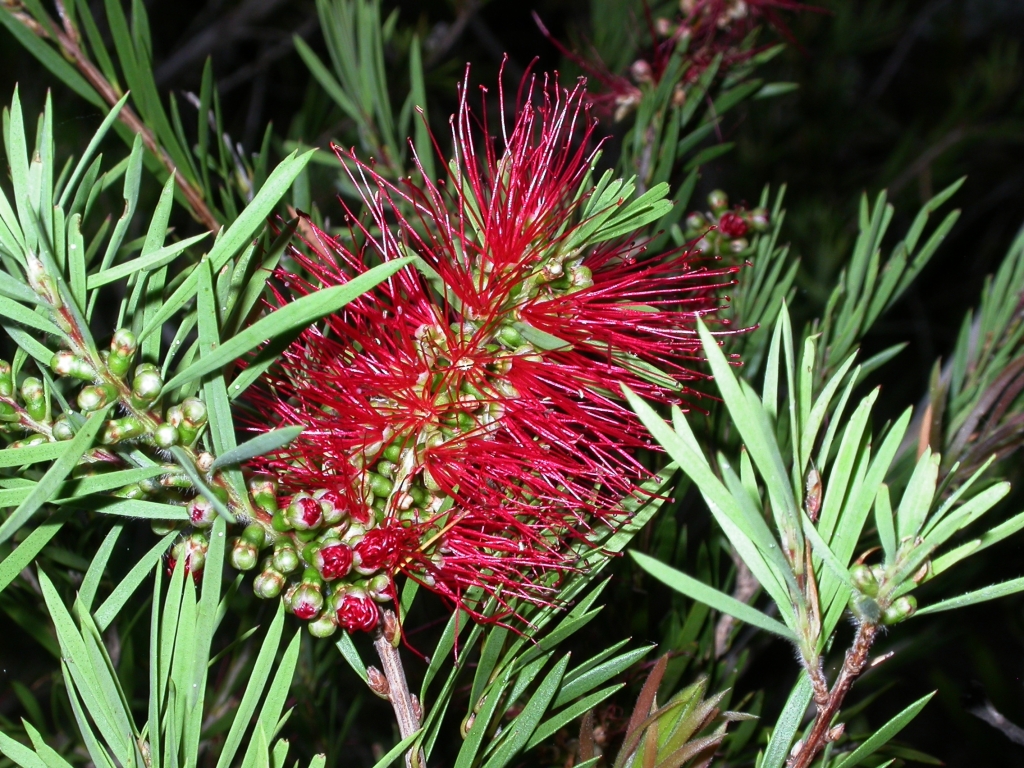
pixel 718 201
pixel 62 429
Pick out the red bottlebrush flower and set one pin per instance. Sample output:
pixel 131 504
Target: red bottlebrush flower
pixel 334 561
pixel 466 413
pixel 357 612
pixel 732 225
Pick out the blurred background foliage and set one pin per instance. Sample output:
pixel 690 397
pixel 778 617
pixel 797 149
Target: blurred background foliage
pixel 905 95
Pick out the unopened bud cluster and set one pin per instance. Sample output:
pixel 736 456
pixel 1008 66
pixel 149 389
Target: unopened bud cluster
pixel 181 424
pixel 880 592
pixel 332 566
pixel 17 402
pixel 723 230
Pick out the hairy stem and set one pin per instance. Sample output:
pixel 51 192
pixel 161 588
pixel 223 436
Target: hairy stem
pixel 67 40
pixel 822 732
pixel 396 689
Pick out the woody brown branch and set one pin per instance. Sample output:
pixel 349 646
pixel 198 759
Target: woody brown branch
pixel 405 705
pixel 853 665
pixel 67 40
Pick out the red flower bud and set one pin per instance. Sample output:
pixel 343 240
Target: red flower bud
pixel 305 601
pixel 304 513
pixel 333 561
pixel 732 225
pixel 356 611
pixel 376 550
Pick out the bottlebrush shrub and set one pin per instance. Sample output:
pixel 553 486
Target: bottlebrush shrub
pixel 462 422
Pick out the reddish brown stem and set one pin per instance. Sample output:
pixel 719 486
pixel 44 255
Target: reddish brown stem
pixel 396 689
pixel 67 40
pixel 822 732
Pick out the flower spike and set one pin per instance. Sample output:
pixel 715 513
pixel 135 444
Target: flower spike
pixel 461 421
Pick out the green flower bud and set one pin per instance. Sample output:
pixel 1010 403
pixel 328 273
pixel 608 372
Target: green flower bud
pixel 162 527
pixel 194 412
pixel 165 436
pixel 696 223
pixel 42 283
pixel 127 428
pixel 865 609
pixel 201 512
pixel 6 382
pixel 323 626
pixel 147 385
pixel 864 580
pixel 122 350
pixel 580 278
pixel 269 583
pixel 193 549
pixel 285 559
pixel 255 535
pixel 901 610
pixel 510 337
pixel 174 416
pixel 718 201
pixel 332 505
pixel 95 397
pixel 133 491
pixel 304 600
pixel 379 484
pixel 243 555
pixel 739 245
pixel 379 588
pixel 34 396
pixel 29 441
pixel 62 429
pixel 280 523
pixel 65 363
pixel 304 513
pixel 759 219
pixel 393 452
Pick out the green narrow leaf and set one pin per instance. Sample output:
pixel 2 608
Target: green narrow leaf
pixel 884 734
pixel 253 689
pixel 788 724
pixel 295 314
pixel 977 596
pixel 235 237
pixel 270 713
pixel 526 722
pixel 112 606
pixel 258 446
pixel 398 750
pixel 91 582
pixel 33 544
pixel 55 475
pixel 351 655
pixel 698 590
pixel 90 151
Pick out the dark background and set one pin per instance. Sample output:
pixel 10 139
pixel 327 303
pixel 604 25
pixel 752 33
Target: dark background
pixel 904 95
